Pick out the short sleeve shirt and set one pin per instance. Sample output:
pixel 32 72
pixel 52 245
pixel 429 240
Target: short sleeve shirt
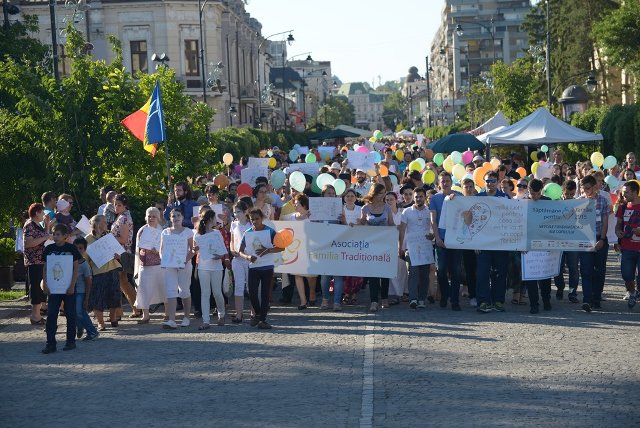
pixel 84 271
pixel 116 228
pixel 34 255
pixel 630 215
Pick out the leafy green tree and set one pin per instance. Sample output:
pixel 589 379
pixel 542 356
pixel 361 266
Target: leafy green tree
pixel 516 88
pixel 482 103
pixel 619 36
pixel 395 110
pixel 337 111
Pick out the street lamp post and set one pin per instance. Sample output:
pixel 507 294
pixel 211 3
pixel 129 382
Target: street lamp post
pixel 491 30
pixel 289 40
pixel 428 89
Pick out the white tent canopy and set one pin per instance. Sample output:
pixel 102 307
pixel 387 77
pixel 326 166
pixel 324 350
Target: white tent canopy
pixel 499 120
pixel 484 136
pixel 405 133
pixel 541 127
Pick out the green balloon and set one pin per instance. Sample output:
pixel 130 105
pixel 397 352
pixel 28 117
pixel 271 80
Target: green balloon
pixel 553 191
pixel 297 181
pixel 310 158
pixel 438 159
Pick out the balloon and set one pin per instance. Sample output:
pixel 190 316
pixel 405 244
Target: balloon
pixel 553 191
pixel 544 148
pixel 495 163
pixel 428 154
pixel 467 157
pixel 394 179
pixel 297 181
pixel 339 185
pixel 324 179
pixel 487 166
pixel 478 176
pixel 362 149
pixel 377 134
pixel 614 198
pixel 269 153
pixel 456 156
pixel 448 164
pixel 438 159
pixel 597 159
pixel 227 159
pixel 372 140
pixel 458 171
pixel 221 181
pixel 609 162
pixel 296 147
pixel 372 173
pixel 534 167
pixel 277 178
pixel 421 162
pixel 283 238
pixel 356 147
pixel 454 180
pixel 521 171
pixel 399 155
pixel 534 156
pixel 314 186
pixel 415 166
pixel 310 158
pixel 384 171
pixel 377 156
pixel 244 189
pixel 293 155
pixel 428 177
pixel 457 189
pixel 611 181
pixel 272 163
pixel 469 176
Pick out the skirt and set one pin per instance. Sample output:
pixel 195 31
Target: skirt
pixel 150 287
pixel 105 292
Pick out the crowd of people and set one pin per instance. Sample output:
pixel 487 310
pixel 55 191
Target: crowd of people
pixel 393 194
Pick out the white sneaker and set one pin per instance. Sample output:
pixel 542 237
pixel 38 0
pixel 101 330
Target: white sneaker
pixel 421 304
pixel 473 302
pixel 626 296
pixel 185 322
pixel 169 325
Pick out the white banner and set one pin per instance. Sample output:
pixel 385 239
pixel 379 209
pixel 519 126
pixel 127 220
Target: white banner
pixel 174 251
pixel 249 175
pixel 150 238
pixel 420 249
pixel 258 163
pixel 537 265
pixel 59 273
pixel 333 249
pixel 256 244
pixel 363 161
pixel 326 152
pixel 321 208
pixel 103 250
pixel 313 169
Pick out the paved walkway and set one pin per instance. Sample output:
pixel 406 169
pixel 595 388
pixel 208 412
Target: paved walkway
pixel 398 368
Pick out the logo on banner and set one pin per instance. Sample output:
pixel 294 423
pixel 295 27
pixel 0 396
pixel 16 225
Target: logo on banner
pixel 290 254
pixel 475 219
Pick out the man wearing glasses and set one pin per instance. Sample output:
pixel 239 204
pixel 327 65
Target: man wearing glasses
pixel 491 285
pixel 593 264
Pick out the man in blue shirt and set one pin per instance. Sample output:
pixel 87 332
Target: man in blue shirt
pixel 491 281
pixel 181 199
pixel 448 259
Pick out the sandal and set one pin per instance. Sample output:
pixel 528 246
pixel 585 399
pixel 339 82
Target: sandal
pixel 236 320
pixel 41 321
pixel 204 327
pixel 136 315
pixel 393 302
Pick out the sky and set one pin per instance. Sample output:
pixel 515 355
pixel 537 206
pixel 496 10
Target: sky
pixel 363 39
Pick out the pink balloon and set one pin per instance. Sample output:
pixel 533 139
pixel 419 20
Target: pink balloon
pixel 467 157
pixel 362 149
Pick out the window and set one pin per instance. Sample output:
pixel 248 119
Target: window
pixel 139 56
pixel 191 54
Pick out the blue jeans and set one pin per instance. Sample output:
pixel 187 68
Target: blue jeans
pixel 449 262
pixel 629 264
pixel 593 267
pixel 491 285
pixel 55 300
pixel 418 282
pixel 338 285
pixel 570 260
pixel 82 317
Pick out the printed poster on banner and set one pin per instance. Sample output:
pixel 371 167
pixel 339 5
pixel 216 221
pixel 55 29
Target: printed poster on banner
pixel 249 175
pixel 84 226
pixel 150 238
pixel 313 169
pixel 102 250
pixel 363 161
pixel 562 225
pixel 174 251
pixel 325 209
pixel 258 163
pixel 59 273
pixel 210 244
pixel 326 153
pixel 256 244
pixel 538 265
pixel 333 249
pixel 420 249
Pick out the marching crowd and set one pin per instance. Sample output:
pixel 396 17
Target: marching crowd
pixel 393 194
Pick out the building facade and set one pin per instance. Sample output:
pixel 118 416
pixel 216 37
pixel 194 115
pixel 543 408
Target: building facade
pixel 368 104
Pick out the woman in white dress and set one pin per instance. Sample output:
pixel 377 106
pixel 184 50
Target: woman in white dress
pixel 398 285
pixel 150 277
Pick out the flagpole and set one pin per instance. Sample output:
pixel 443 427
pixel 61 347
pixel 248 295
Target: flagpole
pixel 166 154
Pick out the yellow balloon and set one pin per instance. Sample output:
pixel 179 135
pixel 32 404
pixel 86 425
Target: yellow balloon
pixel 428 177
pixel 458 171
pixel 457 188
pixel 534 156
pixel 597 159
pixel 448 164
pixel 272 163
pixel 227 159
pixel 495 163
pixel 399 155
pixel 415 166
pixel 534 167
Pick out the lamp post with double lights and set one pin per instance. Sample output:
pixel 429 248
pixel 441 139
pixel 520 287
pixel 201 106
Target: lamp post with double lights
pixel 289 40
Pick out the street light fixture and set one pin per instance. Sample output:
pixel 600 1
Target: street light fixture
pixel 289 41
pixel 233 112
pixel 460 32
pixel 591 83
pixel 161 59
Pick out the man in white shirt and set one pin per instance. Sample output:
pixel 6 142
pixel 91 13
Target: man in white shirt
pixel 363 185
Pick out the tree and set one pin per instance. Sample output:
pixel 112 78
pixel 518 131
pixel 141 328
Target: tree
pixel 337 111
pixel 619 36
pixel 482 103
pixel 394 110
pixel 516 88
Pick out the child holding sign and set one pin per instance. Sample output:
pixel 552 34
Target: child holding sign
pixel 60 273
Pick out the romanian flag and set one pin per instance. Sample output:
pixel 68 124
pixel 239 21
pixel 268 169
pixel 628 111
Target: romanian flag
pixel 147 124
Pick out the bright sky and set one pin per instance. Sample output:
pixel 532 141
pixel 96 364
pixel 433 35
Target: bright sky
pixel 363 39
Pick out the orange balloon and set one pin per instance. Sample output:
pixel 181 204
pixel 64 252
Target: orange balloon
pixel 384 171
pixel 487 165
pixel 221 180
pixel 428 154
pixel 478 176
pixel 354 180
pixel 283 238
pixel 515 183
